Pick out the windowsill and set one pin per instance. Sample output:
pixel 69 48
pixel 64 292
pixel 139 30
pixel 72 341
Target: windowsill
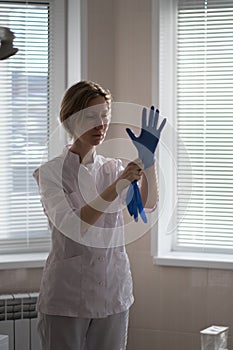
pixel 198 260
pixel 20 261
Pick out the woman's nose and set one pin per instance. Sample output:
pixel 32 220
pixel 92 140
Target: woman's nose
pixel 99 122
pixel 99 127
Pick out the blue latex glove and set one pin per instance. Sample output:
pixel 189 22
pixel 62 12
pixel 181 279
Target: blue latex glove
pixel 131 202
pixel 146 144
pixel 138 199
pixel 148 139
pixel 134 202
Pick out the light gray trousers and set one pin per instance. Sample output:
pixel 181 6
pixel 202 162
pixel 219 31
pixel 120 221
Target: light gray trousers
pixel 71 333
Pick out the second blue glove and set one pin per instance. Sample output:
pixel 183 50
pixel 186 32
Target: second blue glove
pixel 134 202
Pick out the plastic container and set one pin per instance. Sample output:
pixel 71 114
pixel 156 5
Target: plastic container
pixel 214 338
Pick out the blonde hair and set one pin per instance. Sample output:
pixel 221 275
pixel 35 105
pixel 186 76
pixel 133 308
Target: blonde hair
pixel 77 98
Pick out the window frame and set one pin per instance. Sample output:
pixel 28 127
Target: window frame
pixel 70 53
pixel 164 94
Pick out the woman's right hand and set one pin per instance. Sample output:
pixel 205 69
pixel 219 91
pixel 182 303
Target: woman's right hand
pixel 132 172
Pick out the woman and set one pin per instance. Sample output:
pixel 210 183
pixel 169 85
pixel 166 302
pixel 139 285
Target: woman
pixel 86 288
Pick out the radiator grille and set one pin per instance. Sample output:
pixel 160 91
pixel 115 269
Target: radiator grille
pixel 18 306
pixel 18 320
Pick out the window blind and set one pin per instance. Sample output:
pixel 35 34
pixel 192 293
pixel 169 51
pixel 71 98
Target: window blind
pixel 204 70
pixel 24 125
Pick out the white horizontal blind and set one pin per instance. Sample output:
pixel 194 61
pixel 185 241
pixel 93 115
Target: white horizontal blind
pixel 24 125
pixel 205 125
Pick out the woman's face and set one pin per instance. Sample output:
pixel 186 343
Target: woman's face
pixel 93 124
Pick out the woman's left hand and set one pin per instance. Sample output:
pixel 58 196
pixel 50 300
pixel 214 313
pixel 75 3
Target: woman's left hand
pixel 148 139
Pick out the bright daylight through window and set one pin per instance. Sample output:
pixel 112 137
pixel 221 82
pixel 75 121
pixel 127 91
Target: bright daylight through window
pixel 24 126
pixel 200 37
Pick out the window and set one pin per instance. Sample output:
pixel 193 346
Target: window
pixel 196 94
pixel 30 88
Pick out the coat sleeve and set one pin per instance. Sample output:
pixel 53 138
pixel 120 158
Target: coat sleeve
pixel 62 209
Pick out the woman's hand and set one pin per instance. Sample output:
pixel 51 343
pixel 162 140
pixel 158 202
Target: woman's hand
pixel 129 178
pixel 148 139
pixel 132 172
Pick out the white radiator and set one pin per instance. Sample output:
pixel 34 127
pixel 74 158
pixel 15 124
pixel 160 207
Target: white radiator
pixel 18 320
pixel 4 343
